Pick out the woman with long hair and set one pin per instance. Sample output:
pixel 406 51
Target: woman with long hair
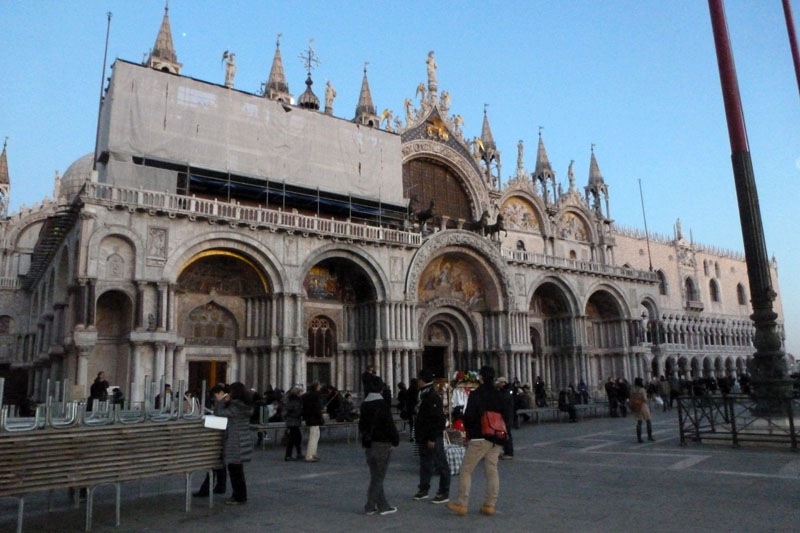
pixel 641 411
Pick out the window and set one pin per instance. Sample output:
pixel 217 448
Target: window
pixel 662 283
pixel 321 338
pixel 573 255
pixel 740 294
pixel 713 290
pixel 717 270
pixel 691 291
pixel 705 267
pixel 520 246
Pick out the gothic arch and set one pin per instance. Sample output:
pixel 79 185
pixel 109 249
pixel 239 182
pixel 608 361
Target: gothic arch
pixel 247 246
pixel 463 168
pixel 93 249
pixel 483 249
pixel 368 264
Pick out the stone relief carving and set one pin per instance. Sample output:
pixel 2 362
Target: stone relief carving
pixel 519 214
pixel 115 266
pixel 157 243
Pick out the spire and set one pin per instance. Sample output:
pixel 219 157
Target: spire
pixel 366 114
pixel 5 182
pixel 542 161
pixel 596 188
pixel 277 88
pixel 595 177
pixel 486 132
pixel 308 99
pixel 4 165
pixel 163 56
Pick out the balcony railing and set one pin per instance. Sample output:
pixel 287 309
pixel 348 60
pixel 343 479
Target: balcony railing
pixel 585 267
pixel 193 207
pixel 9 283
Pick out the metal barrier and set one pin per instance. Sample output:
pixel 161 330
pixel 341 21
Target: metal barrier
pixel 738 418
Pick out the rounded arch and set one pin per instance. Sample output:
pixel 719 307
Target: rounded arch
pixel 572 222
pixel 741 295
pixel 444 241
pixel 462 167
pixel 114 308
pixel 247 246
pixel 624 308
pixel 564 290
pixel 210 323
pixel 523 211
pixel 369 265
pixel 93 249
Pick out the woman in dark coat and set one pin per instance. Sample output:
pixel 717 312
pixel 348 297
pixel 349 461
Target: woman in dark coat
pixel 98 392
pixel 292 413
pixel 378 437
pixel 238 443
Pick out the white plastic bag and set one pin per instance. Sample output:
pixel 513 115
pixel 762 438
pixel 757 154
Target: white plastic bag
pixel 215 422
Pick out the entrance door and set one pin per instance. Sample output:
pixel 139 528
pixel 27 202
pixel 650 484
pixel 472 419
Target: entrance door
pixel 319 372
pixel 433 359
pixel 212 372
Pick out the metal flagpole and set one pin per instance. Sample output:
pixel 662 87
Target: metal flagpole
pixel 768 365
pixel 102 82
pixel 646 233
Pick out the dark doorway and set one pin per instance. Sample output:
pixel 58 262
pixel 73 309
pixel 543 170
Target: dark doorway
pixel 212 372
pixel 319 372
pixel 433 359
pixel 16 386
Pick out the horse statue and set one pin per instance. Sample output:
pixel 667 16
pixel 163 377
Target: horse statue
pixel 496 228
pixel 478 226
pixel 426 214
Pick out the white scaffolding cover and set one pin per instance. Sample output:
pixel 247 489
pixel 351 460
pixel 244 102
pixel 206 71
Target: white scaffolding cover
pixel 163 116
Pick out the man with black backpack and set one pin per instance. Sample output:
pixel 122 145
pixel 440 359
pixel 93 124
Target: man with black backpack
pixel 486 431
pixel 430 425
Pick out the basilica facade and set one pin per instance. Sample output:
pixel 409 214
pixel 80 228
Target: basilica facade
pixel 220 235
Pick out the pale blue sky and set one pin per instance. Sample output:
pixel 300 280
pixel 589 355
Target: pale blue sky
pixel 638 78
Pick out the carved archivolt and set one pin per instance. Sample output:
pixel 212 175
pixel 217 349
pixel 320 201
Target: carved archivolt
pixel 473 182
pixel 459 238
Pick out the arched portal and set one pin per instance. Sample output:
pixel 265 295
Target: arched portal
pixel 220 295
pixel 112 351
pixel 551 313
pixel 340 308
pixel 605 335
pixel 447 340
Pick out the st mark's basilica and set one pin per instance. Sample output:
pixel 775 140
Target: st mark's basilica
pixel 222 235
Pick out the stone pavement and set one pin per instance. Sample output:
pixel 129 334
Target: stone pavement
pixel 589 476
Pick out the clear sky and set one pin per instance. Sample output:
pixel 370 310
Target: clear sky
pixel 637 78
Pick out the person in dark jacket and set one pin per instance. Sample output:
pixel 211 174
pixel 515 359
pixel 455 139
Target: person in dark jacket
pixel 378 437
pixel 508 414
pixel 292 413
pixel 480 447
pixel 238 443
pixel 623 393
pixel 402 400
pixel 611 395
pixel 431 422
pixel 312 414
pixel 98 392
pixel 411 406
pixel 540 392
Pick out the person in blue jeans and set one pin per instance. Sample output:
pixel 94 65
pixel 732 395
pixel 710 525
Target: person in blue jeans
pixel 429 429
pixel 378 437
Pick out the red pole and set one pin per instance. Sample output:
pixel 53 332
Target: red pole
pixel 787 11
pixel 727 76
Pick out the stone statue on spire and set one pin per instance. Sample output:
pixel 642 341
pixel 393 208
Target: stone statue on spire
pixel 571 175
pixel 330 94
pixel 433 84
pixel 520 159
pixel 230 68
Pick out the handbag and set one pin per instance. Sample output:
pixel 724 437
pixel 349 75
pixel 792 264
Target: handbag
pixel 493 427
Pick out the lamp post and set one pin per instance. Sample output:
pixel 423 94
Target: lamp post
pixel 768 365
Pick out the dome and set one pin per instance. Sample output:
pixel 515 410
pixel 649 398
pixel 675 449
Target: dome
pixel 76 175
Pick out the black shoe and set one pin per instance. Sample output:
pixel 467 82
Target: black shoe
pixel 651 439
pixel 290 458
pixel 232 501
pixel 200 494
pixel 440 498
pixel 421 495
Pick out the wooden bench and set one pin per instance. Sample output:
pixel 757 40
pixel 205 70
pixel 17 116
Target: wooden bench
pixel 90 457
